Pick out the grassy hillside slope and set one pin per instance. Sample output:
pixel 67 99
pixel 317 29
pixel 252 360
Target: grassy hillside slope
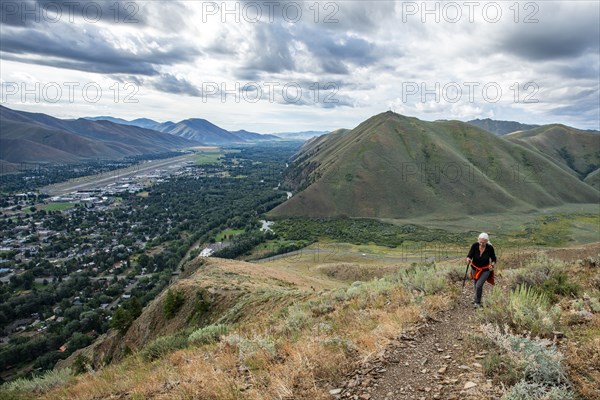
pixel 392 166
pixel 576 151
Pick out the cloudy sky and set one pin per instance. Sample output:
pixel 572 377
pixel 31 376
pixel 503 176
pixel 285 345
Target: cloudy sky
pixel 273 66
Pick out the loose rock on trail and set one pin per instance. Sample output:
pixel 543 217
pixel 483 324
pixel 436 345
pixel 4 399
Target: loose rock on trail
pixel 433 360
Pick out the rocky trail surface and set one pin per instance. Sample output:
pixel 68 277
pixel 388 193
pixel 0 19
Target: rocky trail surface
pixel 433 360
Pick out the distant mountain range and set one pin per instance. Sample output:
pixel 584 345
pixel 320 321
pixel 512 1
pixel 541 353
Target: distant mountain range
pixel 302 135
pixel 392 166
pixel 199 130
pixel 205 130
pixel 500 127
pixel 35 137
pixel 141 122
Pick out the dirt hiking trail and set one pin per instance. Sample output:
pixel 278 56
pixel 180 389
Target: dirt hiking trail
pixel 433 360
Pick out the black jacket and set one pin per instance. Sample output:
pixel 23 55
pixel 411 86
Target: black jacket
pixel 484 259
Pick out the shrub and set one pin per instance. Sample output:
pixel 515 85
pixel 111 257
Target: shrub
pixel 537 273
pixel 456 273
pixel 163 345
pixel 81 364
pixel 528 277
pixel 208 334
pixel 524 310
pixel 320 307
pixel 173 302
pixel 297 319
pixel 595 304
pixel 202 307
pixel 375 287
pixel 558 285
pixel 425 278
pixel 121 320
pixel 542 261
pixel 536 391
pixel 543 375
pixel 340 295
pixel 336 342
pixel 592 261
pixel 503 367
pixel 253 352
pixel 39 384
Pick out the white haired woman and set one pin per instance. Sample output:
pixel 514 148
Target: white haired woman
pixel 482 260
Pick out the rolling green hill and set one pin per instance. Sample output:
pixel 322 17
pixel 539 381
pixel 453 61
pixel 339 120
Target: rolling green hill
pixel 593 179
pixel 392 166
pixel 574 150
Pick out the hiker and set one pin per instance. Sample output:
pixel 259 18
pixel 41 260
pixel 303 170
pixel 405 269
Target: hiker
pixel 482 259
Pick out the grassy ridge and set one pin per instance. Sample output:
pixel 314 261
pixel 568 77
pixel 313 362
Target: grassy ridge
pixel 296 341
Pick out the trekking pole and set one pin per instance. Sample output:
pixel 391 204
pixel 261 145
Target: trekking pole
pixel 465 278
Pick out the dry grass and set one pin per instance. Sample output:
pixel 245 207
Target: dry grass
pixel 436 303
pixel 295 352
pixel 350 272
pixel 582 356
pixel 294 346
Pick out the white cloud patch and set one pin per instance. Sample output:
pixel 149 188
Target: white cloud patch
pixel 405 56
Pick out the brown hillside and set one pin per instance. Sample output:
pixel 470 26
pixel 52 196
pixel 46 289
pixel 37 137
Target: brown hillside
pixel 234 292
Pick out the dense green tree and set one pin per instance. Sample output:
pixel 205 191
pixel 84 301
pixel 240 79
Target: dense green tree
pixel 173 302
pixel 121 320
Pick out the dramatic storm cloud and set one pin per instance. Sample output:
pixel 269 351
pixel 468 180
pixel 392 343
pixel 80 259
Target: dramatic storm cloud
pixel 290 65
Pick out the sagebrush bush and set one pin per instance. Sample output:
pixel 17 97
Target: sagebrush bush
pixel 543 375
pixel 339 295
pixel 536 391
pixel 542 261
pixel 544 273
pixel 321 306
pixel 505 368
pixel 524 310
pixel 346 345
pixel 208 334
pixel 425 278
pixel 39 384
pixel 529 277
pixel 163 345
pixel 253 352
pixel 381 286
pixel 595 304
pixel 456 273
pixel 592 261
pixel 371 294
pixel 297 319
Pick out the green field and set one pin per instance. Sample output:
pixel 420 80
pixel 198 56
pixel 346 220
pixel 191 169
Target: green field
pixel 436 237
pixel 56 206
pixel 228 232
pixel 208 158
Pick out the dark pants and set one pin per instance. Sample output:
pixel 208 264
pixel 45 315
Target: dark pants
pixel 479 284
